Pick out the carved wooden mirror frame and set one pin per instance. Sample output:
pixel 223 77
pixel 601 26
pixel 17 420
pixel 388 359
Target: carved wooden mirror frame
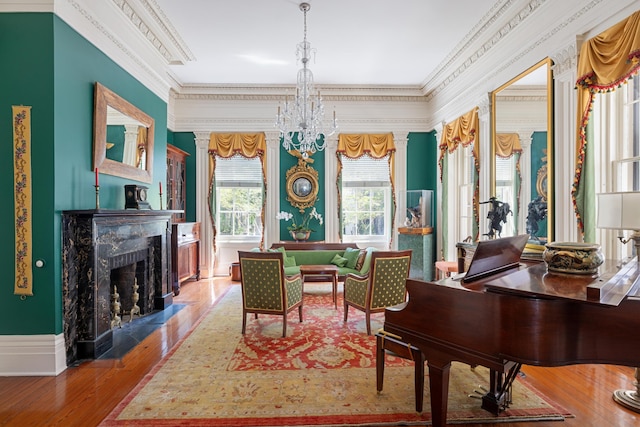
pixel 106 98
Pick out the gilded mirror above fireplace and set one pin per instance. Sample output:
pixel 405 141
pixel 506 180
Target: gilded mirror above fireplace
pixel 122 137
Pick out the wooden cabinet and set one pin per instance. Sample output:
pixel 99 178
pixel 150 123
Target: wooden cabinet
pixel 185 253
pixel 176 181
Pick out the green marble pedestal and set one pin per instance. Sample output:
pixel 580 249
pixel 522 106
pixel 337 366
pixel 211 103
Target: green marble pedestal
pixel 420 241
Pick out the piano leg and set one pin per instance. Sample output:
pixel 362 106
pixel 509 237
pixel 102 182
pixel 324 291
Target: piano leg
pixel 499 396
pixel 439 389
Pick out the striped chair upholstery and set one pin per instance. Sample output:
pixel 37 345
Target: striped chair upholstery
pixel 384 285
pixel 266 289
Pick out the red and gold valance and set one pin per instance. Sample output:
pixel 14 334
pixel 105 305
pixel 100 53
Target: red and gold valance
pixel 606 61
pixel 375 145
pixel 460 131
pixel 507 144
pixel 227 145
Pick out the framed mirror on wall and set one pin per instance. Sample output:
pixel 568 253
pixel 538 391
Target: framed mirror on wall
pixel 302 185
pixel 522 153
pixel 122 137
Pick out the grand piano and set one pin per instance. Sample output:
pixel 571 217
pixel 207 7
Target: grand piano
pixel 526 315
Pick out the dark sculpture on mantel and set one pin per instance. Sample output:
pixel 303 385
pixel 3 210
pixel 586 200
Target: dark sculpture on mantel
pixel 497 216
pixel 537 211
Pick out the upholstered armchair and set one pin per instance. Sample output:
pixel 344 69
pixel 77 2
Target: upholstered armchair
pixel 265 288
pixel 384 285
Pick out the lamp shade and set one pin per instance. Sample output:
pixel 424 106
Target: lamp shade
pixel 619 211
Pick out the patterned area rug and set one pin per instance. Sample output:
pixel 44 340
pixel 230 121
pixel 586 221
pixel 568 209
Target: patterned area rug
pixel 323 373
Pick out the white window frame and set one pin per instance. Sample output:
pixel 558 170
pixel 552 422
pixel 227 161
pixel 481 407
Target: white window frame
pixel 363 240
pixel 463 179
pixel 616 121
pixel 222 183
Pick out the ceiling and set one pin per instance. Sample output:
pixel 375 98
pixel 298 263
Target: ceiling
pixel 357 42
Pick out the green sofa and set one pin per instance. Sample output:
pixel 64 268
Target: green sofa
pixel 312 253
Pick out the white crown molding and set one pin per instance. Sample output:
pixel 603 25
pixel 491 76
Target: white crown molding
pixel 152 23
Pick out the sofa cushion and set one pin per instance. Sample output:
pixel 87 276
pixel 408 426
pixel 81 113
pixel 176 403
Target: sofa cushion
pixel 351 254
pixel 289 261
pixel 360 261
pixel 339 261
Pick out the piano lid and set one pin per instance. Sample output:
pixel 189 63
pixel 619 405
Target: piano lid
pixel 609 287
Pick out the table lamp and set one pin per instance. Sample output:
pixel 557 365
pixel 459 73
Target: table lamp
pixel 621 211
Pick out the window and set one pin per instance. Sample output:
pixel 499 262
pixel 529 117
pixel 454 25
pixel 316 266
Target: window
pixel 238 198
pixel 463 185
pixel 366 198
pixel 616 128
pixel 506 188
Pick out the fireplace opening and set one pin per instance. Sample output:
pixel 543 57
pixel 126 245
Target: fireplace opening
pixel 130 285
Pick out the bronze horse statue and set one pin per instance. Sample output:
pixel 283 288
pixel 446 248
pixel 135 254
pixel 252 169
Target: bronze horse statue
pixel 497 216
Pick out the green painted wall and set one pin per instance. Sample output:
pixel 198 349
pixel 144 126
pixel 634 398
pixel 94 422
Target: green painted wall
pixel 287 161
pixel 423 173
pixel 51 68
pixel 186 141
pixel 422 163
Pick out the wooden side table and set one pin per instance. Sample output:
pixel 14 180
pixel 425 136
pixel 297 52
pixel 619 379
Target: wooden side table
pixel 328 269
pixel 445 268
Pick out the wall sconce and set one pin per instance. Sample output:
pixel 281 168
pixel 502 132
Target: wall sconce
pixel 620 211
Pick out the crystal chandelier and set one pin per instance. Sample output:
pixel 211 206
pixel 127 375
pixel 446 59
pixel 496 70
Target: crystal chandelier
pixel 304 114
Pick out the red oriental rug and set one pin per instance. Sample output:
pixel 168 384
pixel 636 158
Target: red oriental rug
pixel 323 373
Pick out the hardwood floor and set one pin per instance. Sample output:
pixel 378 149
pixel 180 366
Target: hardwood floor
pixel 84 395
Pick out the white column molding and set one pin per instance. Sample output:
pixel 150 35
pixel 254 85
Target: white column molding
pixel 207 255
pixel 401 141
pixel 525 183
pixel 564 137
pixel 271 224
pixel 331 220
pixel 438 207
pixel 484 123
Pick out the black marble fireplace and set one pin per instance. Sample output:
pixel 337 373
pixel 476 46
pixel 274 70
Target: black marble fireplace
pixel 107 249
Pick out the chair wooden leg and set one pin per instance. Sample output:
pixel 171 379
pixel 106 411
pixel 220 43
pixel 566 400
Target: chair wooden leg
pixel 380 353
pixel 244 321
pixel 346 311
pixel 368 318
pixel 300 312
pixel 284 325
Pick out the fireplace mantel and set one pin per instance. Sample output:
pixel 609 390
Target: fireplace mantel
pixel 95 242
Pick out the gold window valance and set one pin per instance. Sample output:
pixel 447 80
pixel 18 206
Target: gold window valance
pixel 226 145
pixel 375 145
pixel 460 131
pixel 507 144
pixel 606 61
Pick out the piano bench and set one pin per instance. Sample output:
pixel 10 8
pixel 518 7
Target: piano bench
pixel 388 343
pixel 445 268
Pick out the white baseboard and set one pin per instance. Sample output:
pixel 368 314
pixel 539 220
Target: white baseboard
pixel 32 355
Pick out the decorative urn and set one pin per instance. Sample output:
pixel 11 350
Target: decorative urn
pixel 573 257
pixel 300 235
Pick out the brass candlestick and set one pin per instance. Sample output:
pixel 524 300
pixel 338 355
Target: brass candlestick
pixel 97 196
